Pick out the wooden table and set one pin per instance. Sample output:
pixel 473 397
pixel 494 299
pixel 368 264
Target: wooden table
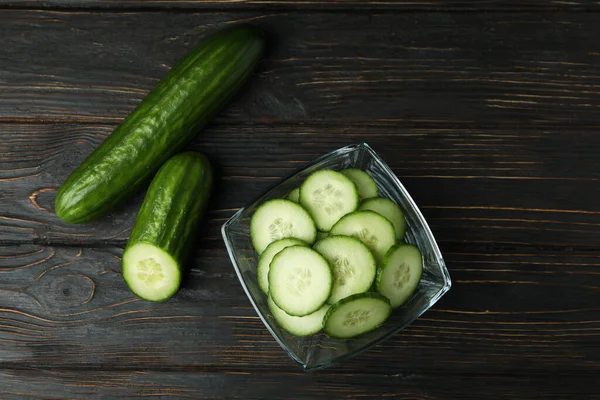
pixel 486 110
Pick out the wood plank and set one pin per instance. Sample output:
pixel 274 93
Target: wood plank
pixel 201 385
pixel 446 69
pixel 320 5
pixel 478 187
pixel 509 312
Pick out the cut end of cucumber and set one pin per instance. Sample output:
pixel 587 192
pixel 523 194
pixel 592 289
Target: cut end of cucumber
pixel 150 272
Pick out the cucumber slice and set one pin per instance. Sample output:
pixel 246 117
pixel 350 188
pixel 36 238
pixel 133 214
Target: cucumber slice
pixel 356 314
pixel 364 183
pixel 399 273
pixel 354 267
pixel 375 231
pixel 299 326
pixel 294 195
pixel 150 272
pixel 322 235
pixel 300 280
pixel 279 219
pixel 328 195
pixel 389 210
pixel 262 269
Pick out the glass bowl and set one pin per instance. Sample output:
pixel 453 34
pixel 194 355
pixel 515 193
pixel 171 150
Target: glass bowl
pixel 320 351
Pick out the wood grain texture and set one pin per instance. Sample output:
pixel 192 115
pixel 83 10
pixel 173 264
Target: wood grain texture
pixel 316 5
pixel 448 69
pixel 486 110
pixel 203 385
pixel 476 187
pixel 511 313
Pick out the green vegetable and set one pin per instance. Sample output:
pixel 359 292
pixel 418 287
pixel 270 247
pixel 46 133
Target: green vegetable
pixel 374 230
pixel 294 195
pixel 353 265
pixel 399 273
pixel 388 209
pixel 356 314
pixel 299 326
pixel 264 262
pixel 350 280
pixel 300 280
pixel 166 120
pixel 328 195
pixel 165 226
pixel 279 219
pixel 365 184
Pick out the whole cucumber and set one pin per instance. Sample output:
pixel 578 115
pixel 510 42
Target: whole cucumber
pixel 171 115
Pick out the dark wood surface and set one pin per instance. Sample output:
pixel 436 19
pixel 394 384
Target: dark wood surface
pixel 487 111
pixel 319 5
pixel 445 69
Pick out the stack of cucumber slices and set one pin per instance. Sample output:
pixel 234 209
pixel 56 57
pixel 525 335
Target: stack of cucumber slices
pixel 332 255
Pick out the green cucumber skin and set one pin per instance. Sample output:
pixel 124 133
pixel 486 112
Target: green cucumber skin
pixel 174 205
pixel 173 113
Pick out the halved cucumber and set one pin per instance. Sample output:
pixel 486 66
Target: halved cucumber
pixel 328 195
pixel 294 195
pixel 356 314
pixel 354 267
pixel 399 273
pixel 375 231
pixel 300 280
pixel 389 210
pixel 299 326
pixel 279 219
pixel 166 226
pixel 364 183
pixel 262 269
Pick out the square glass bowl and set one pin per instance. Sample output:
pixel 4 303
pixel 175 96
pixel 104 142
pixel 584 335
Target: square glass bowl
pixel 320 351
